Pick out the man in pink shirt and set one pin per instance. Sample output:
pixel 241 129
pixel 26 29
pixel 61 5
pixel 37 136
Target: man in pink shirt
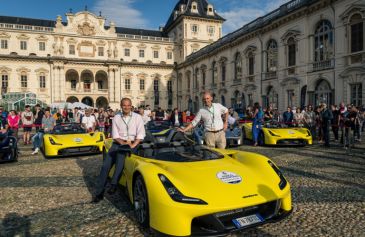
pixel 127 132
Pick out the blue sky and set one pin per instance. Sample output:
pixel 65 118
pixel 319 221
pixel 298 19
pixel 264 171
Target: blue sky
pixel 146 14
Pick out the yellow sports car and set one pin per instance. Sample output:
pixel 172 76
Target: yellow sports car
pixel 274 134
pixel 71 139
pixel 180 188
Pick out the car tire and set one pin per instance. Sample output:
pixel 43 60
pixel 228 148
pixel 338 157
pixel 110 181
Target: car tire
pixel 140 202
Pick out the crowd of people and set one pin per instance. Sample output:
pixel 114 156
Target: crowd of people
pixel 347 122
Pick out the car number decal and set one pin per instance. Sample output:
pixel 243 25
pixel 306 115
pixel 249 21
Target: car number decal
pixel 229 177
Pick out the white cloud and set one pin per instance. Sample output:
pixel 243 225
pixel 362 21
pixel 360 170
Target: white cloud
pixel 121 12
pixel 239 16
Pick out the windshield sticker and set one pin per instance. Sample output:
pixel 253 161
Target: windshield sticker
pixel 229 177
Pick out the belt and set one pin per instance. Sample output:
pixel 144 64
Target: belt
pixel 217 131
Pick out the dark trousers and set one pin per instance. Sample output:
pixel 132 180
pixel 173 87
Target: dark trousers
pixel 326 134
pixel 335 131
pixel 112 158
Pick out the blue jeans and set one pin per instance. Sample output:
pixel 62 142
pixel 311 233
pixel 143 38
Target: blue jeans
pixel 37 140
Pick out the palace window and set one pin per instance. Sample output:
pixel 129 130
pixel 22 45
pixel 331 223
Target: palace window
pixel 272 56
pixel 42 46
pixel 223 71
pixel 291 52
pixel 127 52
pixel 357 33
pixel 141 53
pixel 4 81
pixel 203 76
pixel 188 81
pixel 155 54
pixel 73 84
pixel 210 30
pixel 87 85
pixel 356 94
pixel 323 41
pixel 24 81
pixel 4 44
pixel 214 72
pixel 42 81
pixel 169 55
pixel 127 84
pixel 196 83
pixel 251 63
pixel 250 99
pixel 290 95
pixel 141 85
pixel 23 45
pixel 71 49
pixel 169 92
pixel 101 51
pixel 156 92
pixel 194 28
pixel 237 66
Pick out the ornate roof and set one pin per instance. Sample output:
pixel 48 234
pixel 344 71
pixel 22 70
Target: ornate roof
pixel 184 8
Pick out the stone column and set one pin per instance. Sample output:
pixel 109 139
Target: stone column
pixel 111 91
pixel 62 87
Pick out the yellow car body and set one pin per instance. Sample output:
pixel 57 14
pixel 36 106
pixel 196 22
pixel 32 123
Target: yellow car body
pixel 59 143
pixel 262 189
pixel 279 135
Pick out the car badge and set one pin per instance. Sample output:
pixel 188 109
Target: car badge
pixel 291 132
pixel 78 140
pixel 229 177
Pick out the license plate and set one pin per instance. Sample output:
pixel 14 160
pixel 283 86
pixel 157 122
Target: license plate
pixel 247 220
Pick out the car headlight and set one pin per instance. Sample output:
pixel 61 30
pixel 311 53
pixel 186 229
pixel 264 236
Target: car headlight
pixel 53 142
pixel 273 134
pixel 176 195
pixel 101 138
pixel 283 182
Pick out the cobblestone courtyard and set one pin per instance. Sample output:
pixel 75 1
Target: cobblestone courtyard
pixel 41 197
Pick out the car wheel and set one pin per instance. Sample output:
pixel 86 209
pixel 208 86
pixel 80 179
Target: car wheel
pixel 140 201
pixel 261 139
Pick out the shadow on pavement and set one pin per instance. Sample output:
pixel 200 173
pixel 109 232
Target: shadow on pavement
pixel 15 225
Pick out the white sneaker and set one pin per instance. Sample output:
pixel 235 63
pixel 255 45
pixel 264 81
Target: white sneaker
pixel 35 151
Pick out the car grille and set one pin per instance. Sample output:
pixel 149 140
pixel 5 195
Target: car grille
pixel 222 222
pixel 78 150
pixel 291 142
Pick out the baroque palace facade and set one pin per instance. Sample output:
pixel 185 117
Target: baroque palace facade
pixel 305 52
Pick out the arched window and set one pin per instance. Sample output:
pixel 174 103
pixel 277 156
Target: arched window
pixel 291 52
pixel 251 63
pixel 237 66
pixel 188 80
pixel 214 72
pixel 357 33
pixel 4 80
pixel 323 41
pixel 204 74
pixel 196 83
pixel 323 93
pixel 272 56
pixel 223 70
pixel 223 100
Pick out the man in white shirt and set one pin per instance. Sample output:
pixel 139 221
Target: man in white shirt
pixel 127 131
pixel 147 113
pixel 214 126
pixel 88 121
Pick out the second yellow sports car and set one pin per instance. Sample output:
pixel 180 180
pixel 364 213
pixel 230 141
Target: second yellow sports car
pixel 272 134
pixel 179 188
pixel 71 139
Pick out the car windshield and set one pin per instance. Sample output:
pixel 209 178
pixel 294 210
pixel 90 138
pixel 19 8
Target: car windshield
pixel 274 124
pixel 158 125
pixel 177 148
pixel 72 128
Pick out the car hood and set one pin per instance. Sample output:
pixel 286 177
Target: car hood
pixel 83 138
pixel 289 132
pixel 223 181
